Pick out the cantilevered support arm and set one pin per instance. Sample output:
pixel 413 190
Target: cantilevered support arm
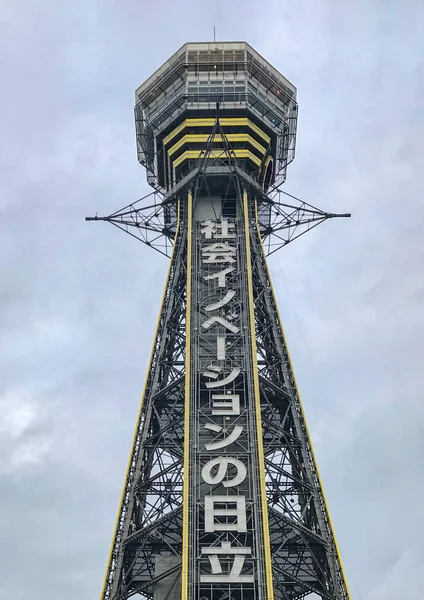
pixel 281 222
pixel 153 218
pixel 149 220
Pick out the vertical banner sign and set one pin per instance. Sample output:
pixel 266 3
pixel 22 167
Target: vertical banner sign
pixel 223 479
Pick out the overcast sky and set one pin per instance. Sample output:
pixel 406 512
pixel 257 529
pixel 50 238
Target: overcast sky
pixel 78 300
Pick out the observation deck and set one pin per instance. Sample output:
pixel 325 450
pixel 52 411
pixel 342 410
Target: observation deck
pixel 176 110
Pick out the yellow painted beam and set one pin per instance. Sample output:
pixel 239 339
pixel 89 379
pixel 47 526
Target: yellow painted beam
pixel 198 138
pixel 187 391
pixel 302 409
pixel 217 153
pixel 258 414
pixel 137 427
pixel 224 122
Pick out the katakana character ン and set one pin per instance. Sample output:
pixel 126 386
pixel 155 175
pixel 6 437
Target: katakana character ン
pixel 221 276
pixel 225 300
pixel 234 576
pixel 226 441
pixel 223 463
pixel 230 515
pixel 221 252
pixel 217 229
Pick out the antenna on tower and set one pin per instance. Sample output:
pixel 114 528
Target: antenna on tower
pixel 214 37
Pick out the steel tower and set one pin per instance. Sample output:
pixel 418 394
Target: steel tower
pixel 222 497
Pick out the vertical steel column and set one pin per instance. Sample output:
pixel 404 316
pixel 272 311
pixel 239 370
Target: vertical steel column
pixel 337 583
pixel 112 579
pixel 247 209
pixel 187 406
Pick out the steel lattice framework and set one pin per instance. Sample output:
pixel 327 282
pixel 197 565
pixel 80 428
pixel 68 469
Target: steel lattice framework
pixel 222 498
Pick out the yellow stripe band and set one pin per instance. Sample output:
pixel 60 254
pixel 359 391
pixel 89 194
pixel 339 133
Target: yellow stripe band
pixel 216 153
pixel 137 427
pixel 261 453
pixel 301 408
pixel 186 463
pixel 198 138
pixel 224 122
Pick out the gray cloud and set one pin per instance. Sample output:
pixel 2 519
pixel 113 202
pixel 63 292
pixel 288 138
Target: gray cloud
pixel 78 301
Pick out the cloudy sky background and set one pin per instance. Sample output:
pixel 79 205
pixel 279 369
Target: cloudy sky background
pixel 78 301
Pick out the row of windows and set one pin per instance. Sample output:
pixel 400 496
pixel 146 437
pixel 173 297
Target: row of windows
pixel 222 55
pixel 227 93
pixel 213 94
pixel 213 81
pixel 272 99
pixel 160 96
pixel 214 89
pixel 253 100
pixel 177 70
pixel 262 73
pixel 217 97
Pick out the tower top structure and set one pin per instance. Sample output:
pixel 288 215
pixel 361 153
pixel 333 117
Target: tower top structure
pixel 176 110
pixel 217 113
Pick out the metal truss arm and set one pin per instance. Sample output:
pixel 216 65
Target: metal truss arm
pixel 281 222
pixel 153 224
